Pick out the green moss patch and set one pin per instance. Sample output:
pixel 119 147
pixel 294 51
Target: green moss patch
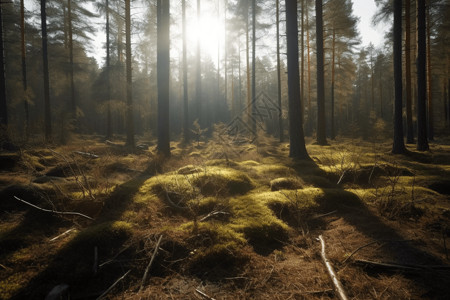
pixel 286 183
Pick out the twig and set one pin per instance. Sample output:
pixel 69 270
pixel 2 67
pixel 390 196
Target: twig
pixel 342 177
pixel 359 248
pixel 445 244
pixel 324 215
pixel 86 154
pixel 317 292
pixel 113 285
pixel 402 267
pixel 54 211
pixel 62 234
pixel 144 278
pixel 212 214
pixel 336 283
pixel 204 295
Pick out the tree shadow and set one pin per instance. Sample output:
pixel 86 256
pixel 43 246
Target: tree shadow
pixel 73 264
pixel 355 212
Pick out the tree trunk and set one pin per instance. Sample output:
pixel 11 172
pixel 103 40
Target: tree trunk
pixel 198 80
pixel 3 106
pixel 321 125
pixel 333 49
pixel 422 140
pixel 302 58
pixel 398 145
pixel 297 147
pixel 130 122
pixel 163 75
pixel 47 113
pixel 24 68
pixel 429 76
pixel 280 111
pixel 409 122
pixel 247 57
pixel 309 117
pixel 73 105
pixel 108 82
pixel 253 64
pixel 186 130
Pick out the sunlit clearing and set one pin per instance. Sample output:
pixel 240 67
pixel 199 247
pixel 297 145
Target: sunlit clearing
pixel 210 31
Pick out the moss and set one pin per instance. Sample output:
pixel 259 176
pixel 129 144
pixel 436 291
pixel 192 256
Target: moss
pixel 211 181
pixel 189 169
pixel 221 163
pixel 103 235
pixel 287 183
pixel 256 220
pixel 11 285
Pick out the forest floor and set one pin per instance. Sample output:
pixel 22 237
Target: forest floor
pixel 237 222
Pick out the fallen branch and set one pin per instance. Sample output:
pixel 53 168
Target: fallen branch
pixel 359 248
pixel 86 154
pixel 401 267
pixel 371 243
pixel 62 234
pixel 324 215
pixel 204 295
pixel 336 283
pixel 342 177
pixel 54 211
pixel 113 285
pixel 213 214
pixel 144 278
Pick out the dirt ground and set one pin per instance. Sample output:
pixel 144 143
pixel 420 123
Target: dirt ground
pixel 239 224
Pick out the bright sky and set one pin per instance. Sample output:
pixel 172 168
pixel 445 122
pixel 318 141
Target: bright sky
pixel 365 9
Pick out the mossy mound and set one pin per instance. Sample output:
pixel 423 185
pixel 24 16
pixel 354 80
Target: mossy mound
pixel 210 181
pixel 285 183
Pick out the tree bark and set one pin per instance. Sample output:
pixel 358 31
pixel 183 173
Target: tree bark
pixel 321 125
pixel 24 68
pixel 429 76
pixel 333 56
pixel 130 121
pixel 297 147
pixel 253 64
pixel 3 106
pixel 408 90
pixel 398 145
pixel 198 80
pixel 280 111
pixel 108 82
pixel 47 113
pixel 186 130
pixel 73 105
pixel 163 75
pixel 422 139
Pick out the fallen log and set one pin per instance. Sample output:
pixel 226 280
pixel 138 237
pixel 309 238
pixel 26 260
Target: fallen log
pixel 54 211
pixel 338 288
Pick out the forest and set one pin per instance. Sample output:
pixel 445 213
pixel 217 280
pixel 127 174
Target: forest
pixel 224 149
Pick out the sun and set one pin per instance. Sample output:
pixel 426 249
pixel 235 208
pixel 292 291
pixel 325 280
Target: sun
pixel 210 30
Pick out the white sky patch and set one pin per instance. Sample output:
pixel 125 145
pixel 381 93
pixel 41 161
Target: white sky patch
pixel 365 10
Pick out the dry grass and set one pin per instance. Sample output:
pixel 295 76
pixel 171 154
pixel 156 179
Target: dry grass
pixel 237 238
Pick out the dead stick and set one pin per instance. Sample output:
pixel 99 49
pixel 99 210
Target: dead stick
pixel 113 285
pixel 54 211
pixel 401 267
pixel 144 278
pixel 359 248
pixel 336 283
pixel 62 234
pixel 204 294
